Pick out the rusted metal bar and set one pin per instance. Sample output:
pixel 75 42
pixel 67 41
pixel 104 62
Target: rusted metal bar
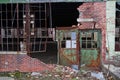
pixel 6 28
pixel 27 28
pixel 119 38
pixel 46 26
pixel 1 30
pixel 40 25
pixel 17 5
pixel 50 9
pixel 12 27
pixel 78 54
pixel 58 47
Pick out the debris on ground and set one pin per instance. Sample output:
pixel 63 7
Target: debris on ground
pixel 59 72
pixel 98 75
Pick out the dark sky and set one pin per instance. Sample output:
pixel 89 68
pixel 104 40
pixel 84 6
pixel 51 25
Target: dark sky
pixel 65 14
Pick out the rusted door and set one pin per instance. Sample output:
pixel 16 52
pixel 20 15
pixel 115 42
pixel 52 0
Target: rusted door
pixel 90 43
pixel 67 47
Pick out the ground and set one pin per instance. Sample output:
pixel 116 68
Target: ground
pixel 58 72
pixel 42 67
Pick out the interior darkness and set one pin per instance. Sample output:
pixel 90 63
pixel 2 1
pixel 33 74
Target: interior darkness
pixel 65 14
pixel 117 34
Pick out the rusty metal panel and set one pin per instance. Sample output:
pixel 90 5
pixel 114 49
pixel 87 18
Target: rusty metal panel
pixel 67 52
pixel 89 58
pixel 68 57
pixel 90 50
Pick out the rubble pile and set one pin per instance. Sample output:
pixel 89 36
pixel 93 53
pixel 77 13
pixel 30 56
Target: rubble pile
pixel 59 72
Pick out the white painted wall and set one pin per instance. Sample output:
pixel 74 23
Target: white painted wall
pixel 110 32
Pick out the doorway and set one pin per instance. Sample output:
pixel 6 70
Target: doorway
pixel 90 45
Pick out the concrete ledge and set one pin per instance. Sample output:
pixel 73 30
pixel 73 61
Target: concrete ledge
pixel 85 20
pixel 12 52
pixel 113 70
pixel 6 78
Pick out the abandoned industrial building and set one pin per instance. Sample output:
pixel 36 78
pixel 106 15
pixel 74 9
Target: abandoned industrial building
pixel 34 32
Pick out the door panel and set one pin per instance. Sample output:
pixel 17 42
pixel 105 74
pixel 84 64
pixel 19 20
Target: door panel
pixel 90 43
pixel 68 45
pixel 68 57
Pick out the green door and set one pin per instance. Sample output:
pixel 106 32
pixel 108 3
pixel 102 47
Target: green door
pixel 90 43
pixel 67 47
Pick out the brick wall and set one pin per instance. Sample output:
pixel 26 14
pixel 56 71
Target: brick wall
pixel 97 11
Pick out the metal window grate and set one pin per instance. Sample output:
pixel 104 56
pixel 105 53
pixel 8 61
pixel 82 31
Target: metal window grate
pixel 25 28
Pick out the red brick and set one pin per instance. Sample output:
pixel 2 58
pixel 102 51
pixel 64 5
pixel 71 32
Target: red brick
pixel 97 11
pixel 21 62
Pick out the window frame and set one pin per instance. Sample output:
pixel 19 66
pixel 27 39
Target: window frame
pixel 67 38
pixel 91 40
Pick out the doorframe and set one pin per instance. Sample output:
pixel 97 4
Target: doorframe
pixel 100 43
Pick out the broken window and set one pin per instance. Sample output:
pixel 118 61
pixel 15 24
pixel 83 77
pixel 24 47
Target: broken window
pixel 63 44
pixel 69 40
pixel 117 28
pixel 44 33
pixel 89 40
pixel 26 23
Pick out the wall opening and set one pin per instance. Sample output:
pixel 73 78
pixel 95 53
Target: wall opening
pixel 117 27
pixel 31 27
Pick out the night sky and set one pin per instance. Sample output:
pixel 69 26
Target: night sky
pixel 65 14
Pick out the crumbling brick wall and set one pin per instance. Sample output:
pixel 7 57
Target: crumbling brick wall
pixel 97 11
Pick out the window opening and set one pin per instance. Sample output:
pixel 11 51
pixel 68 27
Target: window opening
pixel 117 27
pixel 89 40
pixel 69 40
pixel 13 26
